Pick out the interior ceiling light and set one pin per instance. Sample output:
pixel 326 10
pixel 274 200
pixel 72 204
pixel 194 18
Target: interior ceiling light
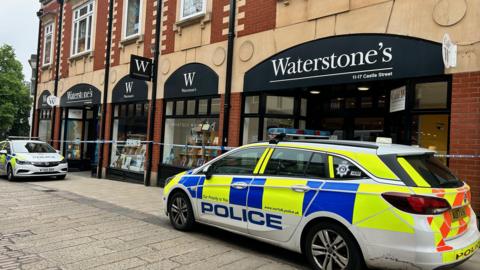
pixel 363 88
pixel 314 92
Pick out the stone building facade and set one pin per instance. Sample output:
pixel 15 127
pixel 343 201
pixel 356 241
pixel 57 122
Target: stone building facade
pixel 439 106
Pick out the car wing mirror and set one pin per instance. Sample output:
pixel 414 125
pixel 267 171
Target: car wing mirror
pixel 208 171
pixel 3 152
pixel 58 151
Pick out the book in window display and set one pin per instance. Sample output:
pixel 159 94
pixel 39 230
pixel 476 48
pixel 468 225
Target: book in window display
pixel 130 156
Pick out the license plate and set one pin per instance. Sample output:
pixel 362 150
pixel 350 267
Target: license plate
pixel 47 170
pixel 458 213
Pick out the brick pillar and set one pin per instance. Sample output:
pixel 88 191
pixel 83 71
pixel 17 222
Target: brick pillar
pixel 106 136
pixel 57 127
pixel 234 121
pixel 157 135
pixel 35 123
pixel 465 131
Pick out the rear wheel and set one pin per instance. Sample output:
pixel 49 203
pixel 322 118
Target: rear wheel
pixel 180 212
pixel 329 246
pixel 10 174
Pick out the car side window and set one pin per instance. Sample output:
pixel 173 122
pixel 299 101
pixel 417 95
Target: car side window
pixel 318 166
pixel 288 162
pixel 345 170
pixel 242 162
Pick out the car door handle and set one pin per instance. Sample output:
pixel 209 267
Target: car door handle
pixel 300 188
pixel 240 185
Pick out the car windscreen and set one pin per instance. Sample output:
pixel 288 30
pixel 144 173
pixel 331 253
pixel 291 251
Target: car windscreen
pixel 433 171
pixel 32 147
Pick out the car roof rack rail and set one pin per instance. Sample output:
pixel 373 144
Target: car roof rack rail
pixel 280 134
pixel 22 138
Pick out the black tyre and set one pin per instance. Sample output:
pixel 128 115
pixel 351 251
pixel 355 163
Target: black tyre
pixel 180 212
pixel 10 174
pixel 330 246
pixel 60 177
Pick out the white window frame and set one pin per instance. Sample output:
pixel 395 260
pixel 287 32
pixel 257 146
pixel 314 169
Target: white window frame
pixel 48 32
pixel 76 18
pixel 124 26
pixel 202 12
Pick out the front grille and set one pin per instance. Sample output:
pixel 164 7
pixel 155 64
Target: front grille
pixel 46 164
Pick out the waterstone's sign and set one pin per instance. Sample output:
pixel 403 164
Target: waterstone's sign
pixel 43 100
pixel 81 95
pixel 192 80
pixel 129 89
pixel 347 59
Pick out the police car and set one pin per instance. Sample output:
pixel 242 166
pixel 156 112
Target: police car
pixel 343 204
pixel 30 158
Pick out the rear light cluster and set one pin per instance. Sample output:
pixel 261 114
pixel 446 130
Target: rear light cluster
pixel 417 204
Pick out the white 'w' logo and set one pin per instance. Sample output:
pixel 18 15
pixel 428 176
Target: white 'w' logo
pixel 128 87
pixel 189 77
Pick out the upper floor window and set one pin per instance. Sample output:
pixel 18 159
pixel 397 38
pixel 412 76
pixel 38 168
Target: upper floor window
pixel 132 22
pixel 82 28
pixel 192 8
pixel 48 44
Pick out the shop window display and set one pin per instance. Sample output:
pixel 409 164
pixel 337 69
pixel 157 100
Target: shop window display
pixel 191 141
pixel 129 131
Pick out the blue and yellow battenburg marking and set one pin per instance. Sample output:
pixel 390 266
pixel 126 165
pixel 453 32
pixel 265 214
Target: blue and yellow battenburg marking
pixel 272 196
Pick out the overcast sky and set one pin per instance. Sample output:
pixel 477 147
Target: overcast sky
pixel 19 28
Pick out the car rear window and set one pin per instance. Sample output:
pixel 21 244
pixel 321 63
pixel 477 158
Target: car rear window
pixel 433 171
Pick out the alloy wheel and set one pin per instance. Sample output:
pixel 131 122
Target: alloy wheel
pixel 179 211
pixel 330 250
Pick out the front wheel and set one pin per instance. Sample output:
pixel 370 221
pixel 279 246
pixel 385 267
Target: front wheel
pixel 10 174
pixel 180 212
pixel 60 177
pixel 330 246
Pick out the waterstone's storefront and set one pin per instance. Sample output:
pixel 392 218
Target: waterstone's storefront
pixel 80 107
pixel 191 133
pixel 129 129
pixel 355 87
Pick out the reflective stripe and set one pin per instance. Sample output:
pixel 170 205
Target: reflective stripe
pixel 217 189
pixel 279 197
pixel 260 161
pixel 460 254
pixel 330 167
pixel 416 177
pixel 265 162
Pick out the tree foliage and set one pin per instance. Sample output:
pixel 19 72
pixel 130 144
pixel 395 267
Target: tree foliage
pixel 15 100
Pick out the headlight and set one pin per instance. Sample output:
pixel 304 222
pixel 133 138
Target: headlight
pixel 21 162
pixel 63 161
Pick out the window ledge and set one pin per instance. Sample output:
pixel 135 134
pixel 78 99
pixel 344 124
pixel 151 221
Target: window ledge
pixel 202 18
pixel 46 66
pixel 84 56
pixel 137 39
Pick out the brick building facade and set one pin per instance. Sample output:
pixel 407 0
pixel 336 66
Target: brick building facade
pixel 195 36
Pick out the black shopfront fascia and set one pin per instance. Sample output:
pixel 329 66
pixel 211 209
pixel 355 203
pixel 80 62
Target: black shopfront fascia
pixel 191 82
pixel 354 60
pixel 85 98
pixel 128 95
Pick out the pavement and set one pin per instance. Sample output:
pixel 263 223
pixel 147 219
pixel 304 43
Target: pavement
pixel 85 223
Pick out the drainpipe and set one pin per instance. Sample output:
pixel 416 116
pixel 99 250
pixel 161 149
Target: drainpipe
pixel 105 86
pixel 37 65
pixel 57 67
pixel 228 77
pixel 156 56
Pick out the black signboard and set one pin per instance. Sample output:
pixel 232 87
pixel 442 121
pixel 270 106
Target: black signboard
pixel 192 80
pixel 141 67
pixel 129 89
pixel 42 101
pixel 81 95
pixel 347 59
